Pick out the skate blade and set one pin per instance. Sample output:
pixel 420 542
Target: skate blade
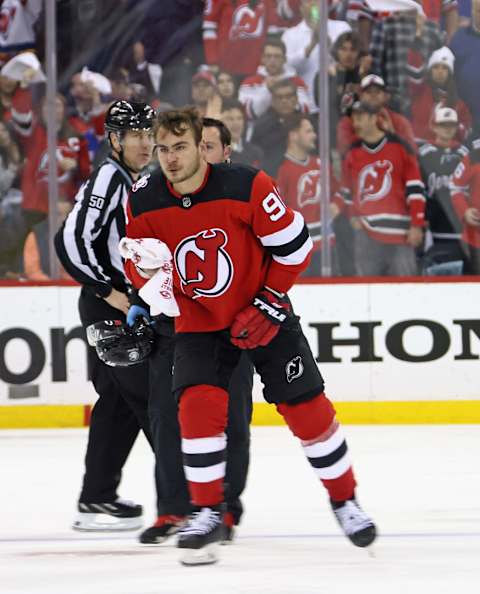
pixel 104 523
pixel 205 556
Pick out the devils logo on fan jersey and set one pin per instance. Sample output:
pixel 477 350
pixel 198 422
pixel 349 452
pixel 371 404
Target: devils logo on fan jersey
pixel 247 22
pixel 375 181
pixel 203 265
pixel 308 188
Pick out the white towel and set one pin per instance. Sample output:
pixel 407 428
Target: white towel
pixel 153 254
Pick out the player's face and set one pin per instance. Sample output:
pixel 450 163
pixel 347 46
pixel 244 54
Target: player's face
pixel 235 122
pixel 179 156
pixel 374 96
pixel 307 136
pixel 137 148
pixel 211 146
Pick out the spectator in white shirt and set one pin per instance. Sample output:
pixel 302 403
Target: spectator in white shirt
pixel 301 41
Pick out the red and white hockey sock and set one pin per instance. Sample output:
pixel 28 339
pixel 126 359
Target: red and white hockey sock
pixel 323 442
pixel 203 417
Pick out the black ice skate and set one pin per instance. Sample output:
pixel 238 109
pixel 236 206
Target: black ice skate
pixel 165 526
pixel 201 535
pixel 355 523
pixel 115 516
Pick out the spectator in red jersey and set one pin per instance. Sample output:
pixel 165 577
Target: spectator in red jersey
pixel 465 191
pixel 373 92
pixel 383 191
pixel 234 33
pixel 299 183
pixel 437 89
pixel 227 86
pixel 256 91
pixel 87 113
pixel 73 167
pixel 247 153
pixel 270 133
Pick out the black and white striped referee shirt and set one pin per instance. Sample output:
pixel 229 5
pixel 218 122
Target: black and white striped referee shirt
pixel 87 243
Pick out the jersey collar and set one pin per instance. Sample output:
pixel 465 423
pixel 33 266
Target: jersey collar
pixel 199 189
pixel 121 169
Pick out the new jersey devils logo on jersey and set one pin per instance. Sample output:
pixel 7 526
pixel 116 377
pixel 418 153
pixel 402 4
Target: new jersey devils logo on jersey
pixel 375 181
pixel 204 266
pixel 308 188
pixel 248 22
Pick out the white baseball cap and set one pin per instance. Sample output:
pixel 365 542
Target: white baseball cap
pixel 372 80
pixel 445 115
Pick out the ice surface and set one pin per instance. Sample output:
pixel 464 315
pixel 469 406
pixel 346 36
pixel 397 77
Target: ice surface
pixel 421 484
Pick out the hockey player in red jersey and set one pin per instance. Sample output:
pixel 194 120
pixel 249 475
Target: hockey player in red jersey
pixel 384 194
pixel 237 250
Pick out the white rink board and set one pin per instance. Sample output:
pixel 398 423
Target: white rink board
pixel 391 311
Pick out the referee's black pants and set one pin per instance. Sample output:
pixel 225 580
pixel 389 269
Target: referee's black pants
pixel 117 416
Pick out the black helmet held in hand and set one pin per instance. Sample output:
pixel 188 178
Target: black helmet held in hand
pixel 127 115
pixel 118 345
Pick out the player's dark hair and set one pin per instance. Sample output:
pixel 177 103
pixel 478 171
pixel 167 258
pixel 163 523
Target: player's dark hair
pixel 225 136
pixel 178 121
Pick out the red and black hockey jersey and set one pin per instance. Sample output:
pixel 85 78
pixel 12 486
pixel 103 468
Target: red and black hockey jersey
pixel 234 33
pixel 299 183
pixel 381 184
pixel 465 190
pixel 230 238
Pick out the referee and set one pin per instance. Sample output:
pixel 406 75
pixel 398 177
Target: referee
pixel 87 246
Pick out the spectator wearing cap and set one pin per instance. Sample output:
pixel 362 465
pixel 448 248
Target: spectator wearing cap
pixel 247 153
pixel 256 91
pixel 373 92
pixel 270 132
pixel 465 191
pixel 438 160
pixel 465 46
pixel 301 41
pixel 383 193
pixel 437 89
pixel 205 95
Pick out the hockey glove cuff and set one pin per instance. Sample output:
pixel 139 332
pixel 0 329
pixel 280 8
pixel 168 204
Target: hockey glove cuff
pixel 259 323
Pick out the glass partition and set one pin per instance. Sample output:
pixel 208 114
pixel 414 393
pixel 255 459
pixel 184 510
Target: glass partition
pixel 367 116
